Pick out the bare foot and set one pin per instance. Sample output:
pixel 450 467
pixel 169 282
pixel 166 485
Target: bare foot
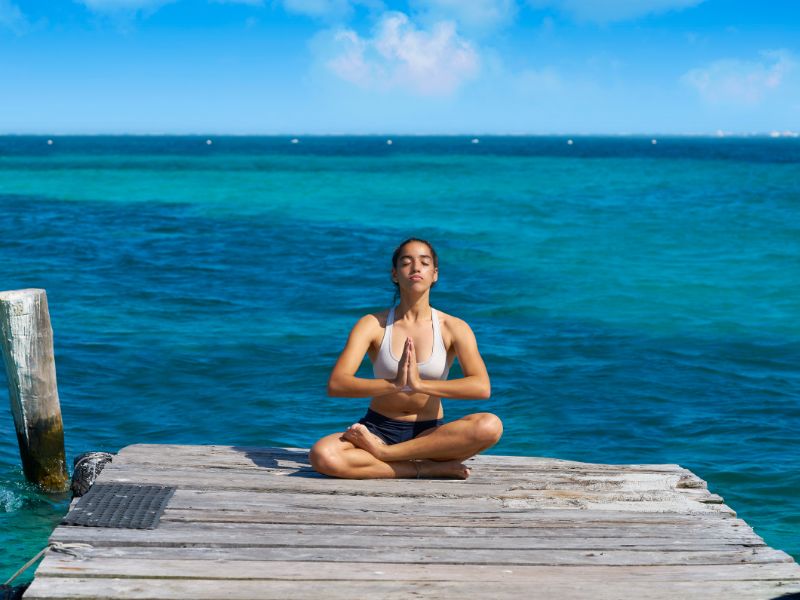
pixel 447 469
pixel 363 438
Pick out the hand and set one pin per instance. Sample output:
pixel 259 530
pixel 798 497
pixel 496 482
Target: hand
pixel 414 381
pixel 401 381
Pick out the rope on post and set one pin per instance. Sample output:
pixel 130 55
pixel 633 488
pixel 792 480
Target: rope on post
pixel 64 548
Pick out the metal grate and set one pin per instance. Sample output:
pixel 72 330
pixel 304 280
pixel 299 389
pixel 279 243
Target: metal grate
pixel 120 505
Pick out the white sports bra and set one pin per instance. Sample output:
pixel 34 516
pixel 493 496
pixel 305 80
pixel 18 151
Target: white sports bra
pixel 436 367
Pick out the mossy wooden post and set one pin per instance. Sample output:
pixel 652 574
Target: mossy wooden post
pixel 27 342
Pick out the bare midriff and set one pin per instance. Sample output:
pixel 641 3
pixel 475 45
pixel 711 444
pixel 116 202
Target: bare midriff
pixel 404 406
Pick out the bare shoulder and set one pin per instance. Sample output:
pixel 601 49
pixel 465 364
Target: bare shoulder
pixel 453 328
pixel 371 325
pixel 451 322
pixel 379 317
pixel 372 321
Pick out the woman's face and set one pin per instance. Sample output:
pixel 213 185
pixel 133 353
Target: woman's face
pixel 414 270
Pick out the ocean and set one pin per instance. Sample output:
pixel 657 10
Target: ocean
pixel 635 302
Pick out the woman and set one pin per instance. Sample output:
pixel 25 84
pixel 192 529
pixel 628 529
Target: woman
pixel 403 434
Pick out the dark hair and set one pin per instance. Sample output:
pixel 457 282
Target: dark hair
pixel 396 257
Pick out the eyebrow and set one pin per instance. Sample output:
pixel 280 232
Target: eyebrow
pixel 428 256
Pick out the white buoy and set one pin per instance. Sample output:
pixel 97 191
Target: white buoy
pixel 208 142
pixel 476 141
pixel 295 141
pixel 49 142
pixel 389 142
pixel 654 141
pixel 569 142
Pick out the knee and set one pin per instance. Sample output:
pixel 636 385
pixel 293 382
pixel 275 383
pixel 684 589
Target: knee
pixel 325 460
pixel 488 429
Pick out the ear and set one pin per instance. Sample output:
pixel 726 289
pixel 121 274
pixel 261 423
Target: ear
pixel 435 275
pixel 394 275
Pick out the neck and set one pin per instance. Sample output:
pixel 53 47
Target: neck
pixel 415 308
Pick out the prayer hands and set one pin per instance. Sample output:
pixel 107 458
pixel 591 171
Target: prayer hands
pixel 413 379
pixel 408 379
pixel 401 381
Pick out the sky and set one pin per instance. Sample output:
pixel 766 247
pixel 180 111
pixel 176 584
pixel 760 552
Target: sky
pixel 414 67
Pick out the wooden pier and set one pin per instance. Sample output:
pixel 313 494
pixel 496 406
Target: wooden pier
pixel 259 523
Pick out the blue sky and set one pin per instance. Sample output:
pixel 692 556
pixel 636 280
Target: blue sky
pixel 420 66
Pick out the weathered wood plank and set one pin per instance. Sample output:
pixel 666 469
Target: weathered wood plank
pixel 434 502
pixel 686 500
pixel 376 527
pixel 210 510
pixel 449 555
pixel 584 477
pixel 475 519
pixel 257 535
pixel 55 565
pixel 207 589
pixel 614 482
pixel 434 506
pixel 509 521
pixel 652 491
pixel 283 463
pixel 178 454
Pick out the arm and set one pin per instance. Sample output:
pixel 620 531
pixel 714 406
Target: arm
pixel 343 381
pixel 474 384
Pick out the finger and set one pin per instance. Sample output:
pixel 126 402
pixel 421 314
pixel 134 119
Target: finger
pixel 406 353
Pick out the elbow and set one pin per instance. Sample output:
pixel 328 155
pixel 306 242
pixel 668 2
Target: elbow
pixel 334 389
pixel 485 391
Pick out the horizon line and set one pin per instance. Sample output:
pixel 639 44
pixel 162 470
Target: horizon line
pixel 786 133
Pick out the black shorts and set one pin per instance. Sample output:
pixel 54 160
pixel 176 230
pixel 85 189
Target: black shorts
pixel 392 431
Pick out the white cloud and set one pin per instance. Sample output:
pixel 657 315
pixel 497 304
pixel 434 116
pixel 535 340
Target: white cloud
pixel 472 15
pixel 399 55
pixel 741 82
pixel 11 17
pixel 613 10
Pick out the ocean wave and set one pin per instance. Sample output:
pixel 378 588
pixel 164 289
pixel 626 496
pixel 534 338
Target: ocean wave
pixel 10 500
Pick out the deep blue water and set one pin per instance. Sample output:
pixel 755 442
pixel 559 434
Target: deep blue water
pixel 634 302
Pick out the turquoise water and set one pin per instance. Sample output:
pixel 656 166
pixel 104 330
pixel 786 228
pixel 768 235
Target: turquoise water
pixel 635 303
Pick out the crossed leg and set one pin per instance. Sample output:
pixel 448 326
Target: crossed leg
pixel 438 452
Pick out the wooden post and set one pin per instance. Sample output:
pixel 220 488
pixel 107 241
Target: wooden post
pixel 27 342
